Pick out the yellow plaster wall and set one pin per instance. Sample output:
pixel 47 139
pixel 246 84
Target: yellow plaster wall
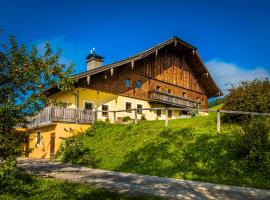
pixel 43 149
pixel 114 102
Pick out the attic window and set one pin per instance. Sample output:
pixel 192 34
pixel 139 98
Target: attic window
pixel 139 84
pixel 127 82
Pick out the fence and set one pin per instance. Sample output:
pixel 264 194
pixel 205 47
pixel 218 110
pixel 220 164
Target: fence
pixel 56 114
pixel 218 120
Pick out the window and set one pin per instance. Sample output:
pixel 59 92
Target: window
pixel 88 106
pixel 169 91
pixel 197 99
pixel 127 82
pixel 105 109
pixel 38 137
pixel 139 84
pixel 158 88
pixel 128 106
pixel 139 106
pixel 170 113
pixel 158 113
pixel 184 94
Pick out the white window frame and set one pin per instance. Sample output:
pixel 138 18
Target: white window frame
pixel 86 101
pixel 108 113
pixel 141 111
pixel 126 106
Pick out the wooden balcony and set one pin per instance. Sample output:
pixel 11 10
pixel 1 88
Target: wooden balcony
pixel 52 115
pixel 172 100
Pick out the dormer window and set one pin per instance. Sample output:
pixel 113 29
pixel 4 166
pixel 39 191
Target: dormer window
pixel 169 91
pixel 197 99
pixel 158 88
pixel 127 82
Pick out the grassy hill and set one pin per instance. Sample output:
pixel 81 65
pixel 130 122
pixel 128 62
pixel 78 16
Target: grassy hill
pixel 187 148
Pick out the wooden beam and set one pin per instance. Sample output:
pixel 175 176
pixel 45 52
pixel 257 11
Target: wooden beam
pixel 114 117
pixel 135 115
pixel 111 71
pixel 88 80
pixel 132 64
pixel 156 53
pixel 206 74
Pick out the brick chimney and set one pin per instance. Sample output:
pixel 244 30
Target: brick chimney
pixel 93 60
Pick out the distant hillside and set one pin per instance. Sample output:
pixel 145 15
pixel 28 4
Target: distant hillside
pixel 187 148
pixel 217 107
pixel 216 102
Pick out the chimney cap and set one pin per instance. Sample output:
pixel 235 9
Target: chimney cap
pixel 94 56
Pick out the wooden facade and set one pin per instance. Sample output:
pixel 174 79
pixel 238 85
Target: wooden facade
pixel 167 70
pixel 174 66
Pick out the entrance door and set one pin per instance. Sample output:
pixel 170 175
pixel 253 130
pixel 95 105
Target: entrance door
pixel 52 145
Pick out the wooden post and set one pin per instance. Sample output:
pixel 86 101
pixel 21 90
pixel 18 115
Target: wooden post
pixel 166 117
pixel 135 112
pixel 114 117
pixel 218 120
pixel 95 113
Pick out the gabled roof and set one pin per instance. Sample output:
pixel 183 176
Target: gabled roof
pixel 207 82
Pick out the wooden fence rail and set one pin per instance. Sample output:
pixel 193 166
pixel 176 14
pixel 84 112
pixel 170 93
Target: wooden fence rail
pixel 186 109
pixel 57 114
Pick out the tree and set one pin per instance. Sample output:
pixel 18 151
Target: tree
pixel 25 76
pixel 250 96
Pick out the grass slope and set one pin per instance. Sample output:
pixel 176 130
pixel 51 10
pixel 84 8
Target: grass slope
pixel 23 186
pixel 187 148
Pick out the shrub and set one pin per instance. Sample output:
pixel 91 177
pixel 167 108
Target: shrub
pixel 126 118
pixel 74 151
pixel 250 96
pixel 143 117
pixel 107 120
pixel 254 142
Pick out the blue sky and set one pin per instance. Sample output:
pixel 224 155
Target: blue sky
pixel 232 36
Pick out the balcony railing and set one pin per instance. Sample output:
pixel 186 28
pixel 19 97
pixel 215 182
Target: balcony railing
pixel 55 114
pixel 171 99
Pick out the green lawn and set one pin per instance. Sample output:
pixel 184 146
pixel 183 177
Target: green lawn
pixel 24 186
pixel 187 148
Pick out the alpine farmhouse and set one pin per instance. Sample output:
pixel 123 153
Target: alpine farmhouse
pixel 170 74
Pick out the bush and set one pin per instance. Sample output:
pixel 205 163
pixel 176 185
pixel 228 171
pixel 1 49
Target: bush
pixel 107 120
pixel 143 117
pixel 250 96
pixel 74 151
pixel 254 145
pixel 126 118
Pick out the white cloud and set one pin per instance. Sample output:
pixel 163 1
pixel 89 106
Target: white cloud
pixel 226 73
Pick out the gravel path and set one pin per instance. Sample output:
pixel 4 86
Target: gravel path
pixel 140 184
